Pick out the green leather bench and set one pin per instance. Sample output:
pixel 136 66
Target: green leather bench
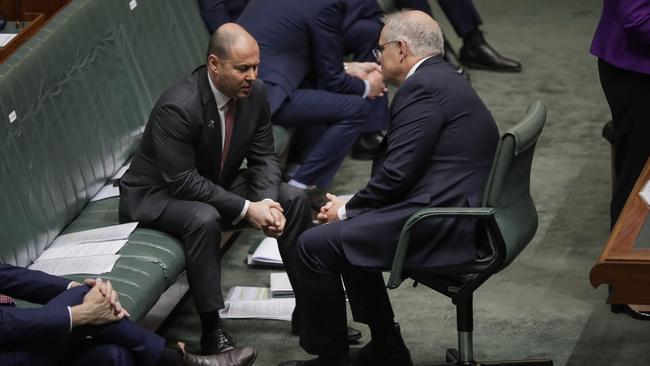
pixel 73 104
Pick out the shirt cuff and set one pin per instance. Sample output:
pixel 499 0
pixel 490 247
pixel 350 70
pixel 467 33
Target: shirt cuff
pixel 70 316
pixel 342 213
pixel 367 91
pixel 69 285
pixel 242 213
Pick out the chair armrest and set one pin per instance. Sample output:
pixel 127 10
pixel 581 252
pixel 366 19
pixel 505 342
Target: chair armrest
pixel 396 277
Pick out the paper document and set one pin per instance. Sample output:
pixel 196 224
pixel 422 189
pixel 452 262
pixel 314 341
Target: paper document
pixel 266 253
pixel 83 250
pixel 115 232
pixel 645 193
pixel 92 265
pixel 255 302
pixel 280 285
pixel 107 191
pixel 5 38
pixel 121 172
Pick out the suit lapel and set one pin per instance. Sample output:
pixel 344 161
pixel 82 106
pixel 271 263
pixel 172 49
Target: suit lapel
pixel 212 123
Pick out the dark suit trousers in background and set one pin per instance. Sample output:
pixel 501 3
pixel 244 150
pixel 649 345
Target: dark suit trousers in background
pixel 462 14
pixel 118 343
pixel 199 226
pixel 627 94
pixel 324 320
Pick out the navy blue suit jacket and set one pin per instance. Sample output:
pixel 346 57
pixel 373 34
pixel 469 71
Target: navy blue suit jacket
pixel 25 325
pixel 217 12
pixel 300 41
pixel 438 152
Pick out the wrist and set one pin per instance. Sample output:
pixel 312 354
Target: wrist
pixel 78 315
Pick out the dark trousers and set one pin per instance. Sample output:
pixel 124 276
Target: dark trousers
pixel 119 343
pixel 462 14
pixel 322 265
pixel 627 94
pixel 344 115
pixel 199 226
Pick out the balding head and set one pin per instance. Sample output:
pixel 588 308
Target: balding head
pixel 420 32
pixel 227 37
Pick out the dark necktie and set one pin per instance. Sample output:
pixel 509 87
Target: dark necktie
pixel 6 301
pixel 228 127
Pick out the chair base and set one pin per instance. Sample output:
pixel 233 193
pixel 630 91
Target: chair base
pixel 452 357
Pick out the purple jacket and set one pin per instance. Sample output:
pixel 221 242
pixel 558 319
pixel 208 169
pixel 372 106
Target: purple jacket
pixel 623 35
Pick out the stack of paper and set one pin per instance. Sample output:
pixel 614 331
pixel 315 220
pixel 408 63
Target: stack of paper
pixel 90 251
pixel 256 302
pixel 266 253
pixel 645 193
pixel 280 285
pixel 112 189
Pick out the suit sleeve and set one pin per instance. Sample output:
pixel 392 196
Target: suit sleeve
pixel 262 160
pixel 328 52
pixel 214 13
pixel 34 286
pixel 417 121
pixel 174 148
pixel 45 323
pixel 635 17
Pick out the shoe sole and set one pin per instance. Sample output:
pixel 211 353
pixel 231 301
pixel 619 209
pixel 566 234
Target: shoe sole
pixel 252 359
pixel 476 66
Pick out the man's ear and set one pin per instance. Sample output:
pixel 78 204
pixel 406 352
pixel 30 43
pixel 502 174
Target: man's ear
pixel 402 50
pixel 213 63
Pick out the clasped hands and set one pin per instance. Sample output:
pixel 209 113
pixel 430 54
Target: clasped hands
pixel 268 216
pixel 100 305
pixel 329 212
pixel 371 72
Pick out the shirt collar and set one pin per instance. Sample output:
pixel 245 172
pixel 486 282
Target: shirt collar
pixel 415 67
pixel 220 97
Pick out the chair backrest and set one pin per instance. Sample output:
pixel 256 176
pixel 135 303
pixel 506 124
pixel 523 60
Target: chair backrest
pixel 508 186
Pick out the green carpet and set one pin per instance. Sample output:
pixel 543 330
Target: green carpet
pixel 543 304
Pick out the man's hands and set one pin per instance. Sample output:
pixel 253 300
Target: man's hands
pixel 99 306
pixel 268 216
pixel 330 211
pixel 371 72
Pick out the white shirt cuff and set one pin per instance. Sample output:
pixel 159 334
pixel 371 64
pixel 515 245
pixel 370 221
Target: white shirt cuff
pixel 70 315
pixel 242 213
pixel 342 213
pixel 365 92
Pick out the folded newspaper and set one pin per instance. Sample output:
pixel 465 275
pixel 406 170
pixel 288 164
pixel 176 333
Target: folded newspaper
pixel 256 302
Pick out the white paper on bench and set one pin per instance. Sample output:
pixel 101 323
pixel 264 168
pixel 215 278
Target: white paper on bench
pixel 280 285
pixel 255 302
pixel 107 191
pixel 83 250
pixel 5 38
pixel 106 233
pixel 121 172
pixel 92 265
pixel 266 253
pixel 645 193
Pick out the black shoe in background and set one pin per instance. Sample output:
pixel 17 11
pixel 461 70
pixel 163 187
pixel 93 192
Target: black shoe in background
pixel 366 146
pixel 476 53
pixel 392 352
pixel 216 342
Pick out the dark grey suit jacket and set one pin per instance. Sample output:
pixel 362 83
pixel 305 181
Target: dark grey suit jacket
pixel 180 153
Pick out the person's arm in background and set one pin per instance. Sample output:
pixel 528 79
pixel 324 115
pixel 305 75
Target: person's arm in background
pixel 635 18
pixel 214 13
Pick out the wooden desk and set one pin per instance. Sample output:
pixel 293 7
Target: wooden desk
pixel 32 23
pixel 623 264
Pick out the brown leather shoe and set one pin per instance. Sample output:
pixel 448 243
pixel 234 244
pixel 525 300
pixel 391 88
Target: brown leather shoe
pixel 239 356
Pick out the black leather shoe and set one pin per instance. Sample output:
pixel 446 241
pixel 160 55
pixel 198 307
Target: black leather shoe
pixel 235 357
pixel 365 148
pixel 394 353
pixel 354 335
pixel 626 309
pixel 452 59
pixel 216 342
pixel 476 53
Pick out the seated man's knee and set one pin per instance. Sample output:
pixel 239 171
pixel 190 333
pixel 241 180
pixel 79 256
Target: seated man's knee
pixel 110 355
pixel 317 250
pixel 204 218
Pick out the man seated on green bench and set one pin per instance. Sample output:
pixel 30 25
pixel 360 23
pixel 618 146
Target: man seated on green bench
pixel 185 178
pixel 56 334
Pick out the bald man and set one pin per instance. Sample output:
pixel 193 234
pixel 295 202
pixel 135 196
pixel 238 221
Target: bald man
pixel 185 178
pixel 437 152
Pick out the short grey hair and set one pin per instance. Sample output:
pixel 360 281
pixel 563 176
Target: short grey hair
pixel 424 38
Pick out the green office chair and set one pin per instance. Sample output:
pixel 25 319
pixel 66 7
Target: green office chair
pixel 510 221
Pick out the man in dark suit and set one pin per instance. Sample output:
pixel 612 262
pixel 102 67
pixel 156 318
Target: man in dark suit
pixel 56 333
pixel 464 17
pixel 216 13
pixel 302 67
pixel 185 178
pixel 437 152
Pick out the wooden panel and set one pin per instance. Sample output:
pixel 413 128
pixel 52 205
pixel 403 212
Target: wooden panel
pixel 626 268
